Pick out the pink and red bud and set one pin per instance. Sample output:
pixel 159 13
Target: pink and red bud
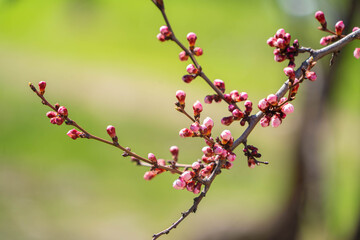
pixel 161 37
pixel 237 113
pixel 63 111
pixel 187 176
pixel 57 120
pixel 248 104
pixel 42 86
pixel 263 104
pixel 220 84
pixel 226 135
pixel 186 133
pixel 198 51
pixel 192 69
pixel 227 120
pixel 180 95
pixel 311 76
pixel 218 150
pixel 191 37
pixel 149 175
pixel 287 108
pixel 208 122
pixel 231 157
pixel 272 99
pixel 320 16
pixel 152 158
pixel 174 150
pixel 195 165
pixel 339 27
pixel 243 96
pixel 74 134
pixel 289 72
pixel 183 56
pixel 357 53
pixel 280 33
pixel 51 114
pixel 271 42
pixel 275 121
pixel 208 99
pixel 228 165
pixel 111 131
pixel 164 30
pixel 280 43
pixel 264 122
pixel 279 58
pixel 197 188
pixel 188 78
pixel 179 184
pixel 197 107
pixel 325 40
pixel 195 127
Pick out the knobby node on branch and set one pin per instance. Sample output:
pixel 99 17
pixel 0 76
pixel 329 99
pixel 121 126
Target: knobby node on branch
pixel 219 151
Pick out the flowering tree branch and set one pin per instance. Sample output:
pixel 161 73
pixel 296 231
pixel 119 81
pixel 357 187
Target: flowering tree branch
pixel 219 152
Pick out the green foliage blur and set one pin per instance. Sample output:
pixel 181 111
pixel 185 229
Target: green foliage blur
pixel 101 60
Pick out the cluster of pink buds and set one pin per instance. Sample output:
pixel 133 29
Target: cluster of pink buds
pixel 186 180
pixel 59 116
pixel 183 56
pixel 197 130
pixel 274 110
pixel 165 34
pixel 283 50
pixel 252 153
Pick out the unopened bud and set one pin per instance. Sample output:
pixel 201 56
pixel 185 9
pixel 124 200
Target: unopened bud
pixel 73 133
pixel 191 37
pixel 192 69
pixel 63 111
pixel 227 120
pixel 339 27
pixel 42 86
pixel 198 51
pixel 188 78
pixel 320 16
pixel 186 133
pixel 183 56
pixel 181 95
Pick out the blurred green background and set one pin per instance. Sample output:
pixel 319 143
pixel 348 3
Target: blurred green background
pixel 101 60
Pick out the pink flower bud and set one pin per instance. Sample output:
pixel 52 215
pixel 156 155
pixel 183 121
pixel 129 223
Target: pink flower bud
pixel 227 120
pixel 280 33
pixel 227 98
pixel 220 84
pixel 339 27
pixel 231 157
pixel 272 99
pixel 53 120
pixel 208 152
pixel 231 108
pixel 218 150
pixel 73 133
pixel 63 111
pixel 283 99
pixel 197 108
pixel 271 42
pixel 235 96
pixel 264 122
pixel 289 72
pixel 226 135
pixel 152 157
pixel 311 76
pixel 42 86
pixel 51 114
pixel 279 58
pixel 325 40
pixel 208 99
pixel 195 165
pixel 197 188
pixel 205 130
pixel 186 133
pixel 243 96
pixel 320 16
pixel 190 186
pixel 275 121
pixel 280 43
pixel 237 113
pixel 198 51
pixel 357 53
pixel 161 37
pixel 58 120
pixel 192 69
pixel 191 37
pixel 164 30
pixel 174 150
pixel 228 165
pixel 149 175
pixel 248 104
pixel 181 95
pixel 355 29
pixel 208 122
pixel 187 176
pixel 287 38
pixel 263 104
pixel 287 108
pixel 188 78
pixel 179 184
pixel 183 56
pixel 111 131
pixel 195 127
